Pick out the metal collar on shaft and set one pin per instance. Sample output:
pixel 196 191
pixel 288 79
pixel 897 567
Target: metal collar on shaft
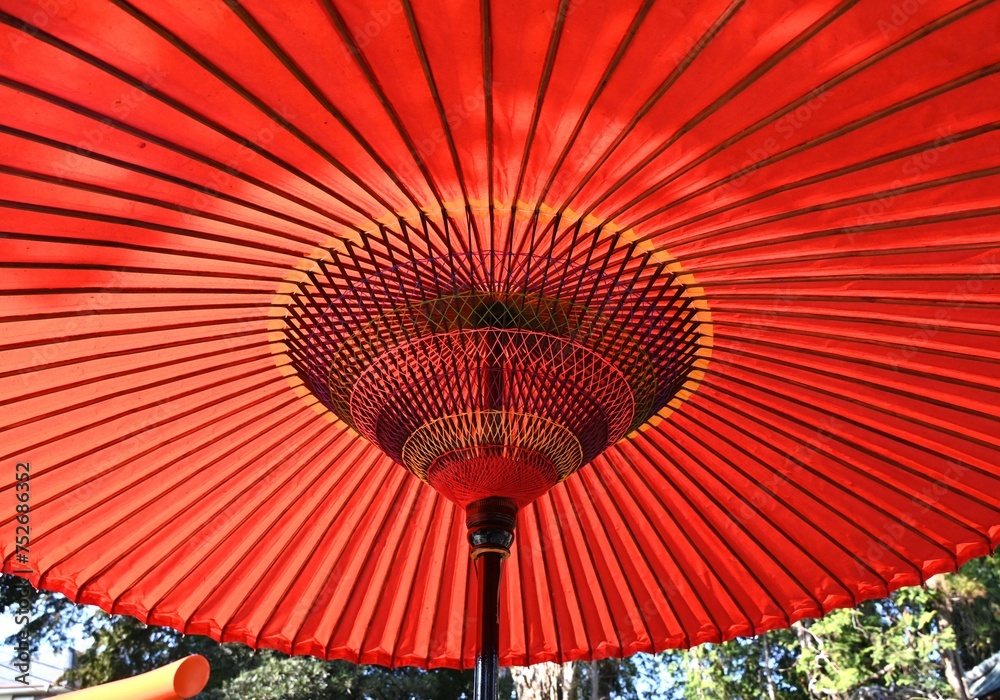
pixel 491 524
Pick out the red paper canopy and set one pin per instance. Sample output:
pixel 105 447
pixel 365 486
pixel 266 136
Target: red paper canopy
pixel 812 186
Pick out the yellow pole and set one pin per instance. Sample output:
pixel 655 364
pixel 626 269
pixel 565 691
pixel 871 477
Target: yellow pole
pixel 176 681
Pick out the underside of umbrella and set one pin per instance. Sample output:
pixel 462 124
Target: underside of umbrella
pixel 697 300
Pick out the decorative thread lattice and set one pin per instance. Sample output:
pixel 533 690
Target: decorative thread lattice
pixel 524 372
pixel 493 373
pixel 492 452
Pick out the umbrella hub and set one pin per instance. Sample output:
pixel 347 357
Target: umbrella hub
pixel 494 374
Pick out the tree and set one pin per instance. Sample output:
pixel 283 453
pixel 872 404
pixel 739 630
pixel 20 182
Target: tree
pixel 888 648
pixel 546 681
pixel 278 677
pixel 973 596
pixel 757 667
pixel 579 680
pixel 123 647
pixel 913 644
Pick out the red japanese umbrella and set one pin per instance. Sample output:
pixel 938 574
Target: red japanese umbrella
pixel 305 302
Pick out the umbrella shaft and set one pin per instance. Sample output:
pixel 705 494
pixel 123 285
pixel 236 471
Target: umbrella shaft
pixel 488 656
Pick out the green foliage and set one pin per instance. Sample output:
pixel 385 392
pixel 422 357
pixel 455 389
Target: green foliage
pixel 276 678
pixel 890 649
pixel 976 592
pixel 273 676
pixel 742 668
pixel 892 644
pixel 123 647
pixel 52 616
pixel 616 678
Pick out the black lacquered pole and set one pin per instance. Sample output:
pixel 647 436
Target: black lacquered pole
pixel 488 566
pixel 491 533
